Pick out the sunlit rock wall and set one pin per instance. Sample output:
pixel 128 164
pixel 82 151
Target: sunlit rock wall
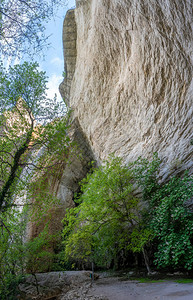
pixel 69 36
pixel 132 86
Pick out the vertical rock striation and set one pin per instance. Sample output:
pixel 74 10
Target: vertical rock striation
pixel 128 79
pixel 69 36
pixel 132 86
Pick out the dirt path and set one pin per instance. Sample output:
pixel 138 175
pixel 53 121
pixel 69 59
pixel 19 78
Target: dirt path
pixel 115 289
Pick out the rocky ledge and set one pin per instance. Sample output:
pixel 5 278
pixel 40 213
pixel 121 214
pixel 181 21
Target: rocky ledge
pixel 67 285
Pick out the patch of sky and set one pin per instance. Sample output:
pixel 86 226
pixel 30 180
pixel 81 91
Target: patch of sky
pixel 52 60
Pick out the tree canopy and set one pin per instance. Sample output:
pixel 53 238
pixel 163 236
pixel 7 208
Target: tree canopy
pixel 33 143
pixel 22 25
pixel 110 221
pixel 101 227
pixel 29 120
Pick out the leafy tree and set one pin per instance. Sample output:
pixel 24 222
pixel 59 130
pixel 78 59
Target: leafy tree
pixel 18 255
pixel 100 228
pixel 12 252
pixel 110 221
pixel 30 124
pixel 146 173
pixel 172 224
pixel 31 128
pixel 22 25
pixel 167 215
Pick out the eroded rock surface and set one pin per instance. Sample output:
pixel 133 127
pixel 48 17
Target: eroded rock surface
pixel 82 293
pixel 53 284
pixel 128 68
pixel 62 184
pixel 132 86
pixel 69 36
pixel 71 285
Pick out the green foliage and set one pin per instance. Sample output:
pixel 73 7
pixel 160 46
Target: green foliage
pixel 31 128
pixel 25 82
pixel 17 255
pixel 9 288
pixel 110 221
pixel 167 215
pixel 12 252
pixel 140 237
pixel 172 223
pixel 145 173
pixel 38 253
pixel 11 249
pixel 149 280
pixel 184 280
pixel 100 227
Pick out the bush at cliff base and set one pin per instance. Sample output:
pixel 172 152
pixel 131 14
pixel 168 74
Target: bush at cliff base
pixel 109 221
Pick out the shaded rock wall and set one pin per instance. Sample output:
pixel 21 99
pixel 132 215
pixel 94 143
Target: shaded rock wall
pixel 62 183
pixel 132 86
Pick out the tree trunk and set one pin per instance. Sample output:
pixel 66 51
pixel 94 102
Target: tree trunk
pixel 5 194
pixel 146 261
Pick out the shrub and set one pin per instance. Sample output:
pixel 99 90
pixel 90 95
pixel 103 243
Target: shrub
pixel 100 228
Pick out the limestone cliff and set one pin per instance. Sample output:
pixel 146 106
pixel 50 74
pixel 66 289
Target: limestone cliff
pixel 62 182
pixel 129 77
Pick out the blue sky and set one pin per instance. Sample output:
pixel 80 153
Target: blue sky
pixel 53 62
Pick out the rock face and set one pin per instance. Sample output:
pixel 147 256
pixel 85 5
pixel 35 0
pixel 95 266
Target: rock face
pixel 67 285
pixel 51 285
pixel 131 87
pixel 128 79
pixel 70 36
pixel 62 184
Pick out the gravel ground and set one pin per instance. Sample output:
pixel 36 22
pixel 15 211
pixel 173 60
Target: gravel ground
pixel 115 289
pixel 82 293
